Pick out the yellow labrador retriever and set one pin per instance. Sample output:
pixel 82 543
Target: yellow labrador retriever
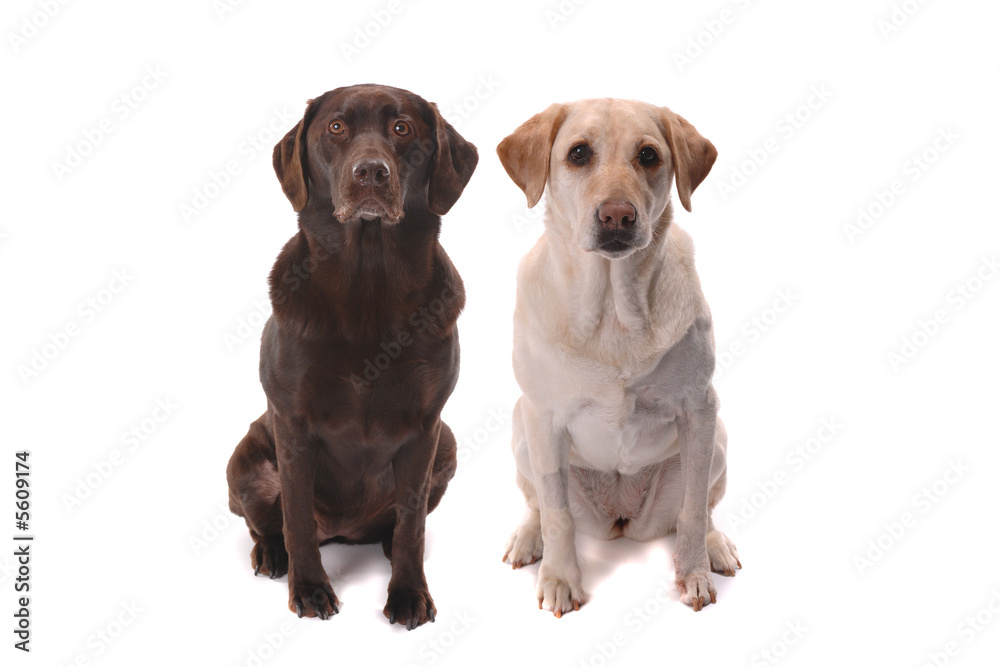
pixel 616 432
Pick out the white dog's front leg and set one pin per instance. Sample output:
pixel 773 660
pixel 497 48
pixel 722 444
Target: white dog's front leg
pixel 696 430
pixel 560 587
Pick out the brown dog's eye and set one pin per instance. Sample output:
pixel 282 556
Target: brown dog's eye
pixel 648 156
pixel 337 126
pixel 401 128
pixel 579 154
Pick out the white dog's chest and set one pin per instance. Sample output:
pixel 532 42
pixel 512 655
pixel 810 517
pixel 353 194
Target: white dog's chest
pixel 618 424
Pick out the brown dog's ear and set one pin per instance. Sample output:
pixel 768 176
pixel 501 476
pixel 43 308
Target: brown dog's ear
pixel 454 161
pixel 525 153
pixel 290 161
pixel 692 153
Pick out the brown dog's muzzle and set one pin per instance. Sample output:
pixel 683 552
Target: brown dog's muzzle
pixel 371 171
pixel 370 189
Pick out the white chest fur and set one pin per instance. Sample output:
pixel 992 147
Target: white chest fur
pixel 587 351
pixel 614 422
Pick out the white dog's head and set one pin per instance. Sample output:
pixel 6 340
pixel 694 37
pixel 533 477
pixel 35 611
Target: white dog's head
pixel 608 164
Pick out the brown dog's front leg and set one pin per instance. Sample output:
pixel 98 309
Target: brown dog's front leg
pixel 309 591
pixel 409 602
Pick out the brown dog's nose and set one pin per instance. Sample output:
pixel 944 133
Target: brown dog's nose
pixel 616 215
pixel 371 171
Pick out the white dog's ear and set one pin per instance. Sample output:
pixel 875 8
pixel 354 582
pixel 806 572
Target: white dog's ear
pixel 525 153
pixel 692 153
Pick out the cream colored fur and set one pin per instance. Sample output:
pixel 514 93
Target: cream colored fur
pixel 611 423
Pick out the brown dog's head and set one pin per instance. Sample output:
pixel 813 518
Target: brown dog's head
pixel 608 164
pixel 371 152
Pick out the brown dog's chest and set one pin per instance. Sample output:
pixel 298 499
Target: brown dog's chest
pixel 378 392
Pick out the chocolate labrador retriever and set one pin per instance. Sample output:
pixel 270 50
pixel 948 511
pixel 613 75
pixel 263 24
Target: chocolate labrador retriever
pixel 361 351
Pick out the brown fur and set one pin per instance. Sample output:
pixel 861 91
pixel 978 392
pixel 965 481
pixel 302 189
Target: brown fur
pixel 361 351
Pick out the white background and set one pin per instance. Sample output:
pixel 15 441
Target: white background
pixel 143 537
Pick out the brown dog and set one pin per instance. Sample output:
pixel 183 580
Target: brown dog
pixel 361 351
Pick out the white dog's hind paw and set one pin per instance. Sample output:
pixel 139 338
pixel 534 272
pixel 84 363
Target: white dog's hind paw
pixel 722 554
pixel 696 589
pixel 558 595
pixel 525 545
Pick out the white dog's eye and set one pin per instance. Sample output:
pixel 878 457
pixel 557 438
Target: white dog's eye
pixel 648 156
pixel 579 154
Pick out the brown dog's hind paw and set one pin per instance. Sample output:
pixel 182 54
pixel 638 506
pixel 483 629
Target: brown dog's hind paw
pixel 269 557
pixel 410 607
pixel 313 600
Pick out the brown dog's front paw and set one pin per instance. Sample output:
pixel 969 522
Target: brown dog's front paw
pixel 313 600
pixel 270 557
pixel 410 607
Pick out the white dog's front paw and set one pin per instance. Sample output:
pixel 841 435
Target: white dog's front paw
pixel 722 554
pixel 558 593
pixel 525 546
pixel 696 589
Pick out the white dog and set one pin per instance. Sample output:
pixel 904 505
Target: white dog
pixel 616 432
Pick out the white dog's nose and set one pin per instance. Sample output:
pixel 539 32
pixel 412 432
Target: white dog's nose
pixel 616 215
